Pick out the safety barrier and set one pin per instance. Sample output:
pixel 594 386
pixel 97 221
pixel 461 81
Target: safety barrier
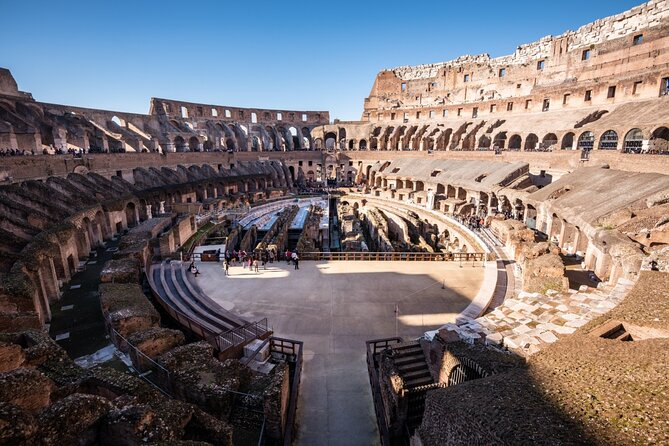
pixel 396 256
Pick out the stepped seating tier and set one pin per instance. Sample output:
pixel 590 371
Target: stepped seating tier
pixel 173 285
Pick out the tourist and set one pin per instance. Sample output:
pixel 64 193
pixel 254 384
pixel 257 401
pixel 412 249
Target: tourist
pixel 296 261
pixel 226 267
pixel 255 265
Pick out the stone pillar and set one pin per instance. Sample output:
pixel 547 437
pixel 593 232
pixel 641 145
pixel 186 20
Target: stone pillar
pixel 161 210
pixel 149 215
pixel 13 143
pixel 430 199
pixel 60 139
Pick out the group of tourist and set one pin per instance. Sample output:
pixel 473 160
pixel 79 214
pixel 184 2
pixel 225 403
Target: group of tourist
pixel 473 222
pixel 260 258
pixel 15 152
pixel 45 151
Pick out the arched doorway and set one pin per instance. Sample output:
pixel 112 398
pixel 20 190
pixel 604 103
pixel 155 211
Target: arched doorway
pixel 499 142
pixel 330 140
pixel 514 142
pixel 531 142
pixel 179 144
pixel 659 141
pixel 548 143
pixel 131 214
pixel 194 144
pixel 568 141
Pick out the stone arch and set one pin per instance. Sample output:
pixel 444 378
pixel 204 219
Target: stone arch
pixel 179 144
pixel 549 141
pixel 131 214
pixel 515 142
pixel 194 144
pixel 484 142
pixel 351 144
pixel 568 141
pixel 659 141
pixel 295 138
pixel 342 133
pixel 531 142
pixel 608 140
pixel 499 141
pixel 586 141
pixel 93 235
pixel 330 140
pixel 101 223
pixel 255 144
pixel 633 142
pixel 116 120
pixel 362 145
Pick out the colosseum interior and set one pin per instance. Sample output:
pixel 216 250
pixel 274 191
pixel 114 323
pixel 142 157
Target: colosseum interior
pixel 482 258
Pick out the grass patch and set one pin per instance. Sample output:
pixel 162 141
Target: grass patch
pixel 195 238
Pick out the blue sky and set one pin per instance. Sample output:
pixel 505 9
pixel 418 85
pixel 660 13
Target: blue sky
pixel 311 55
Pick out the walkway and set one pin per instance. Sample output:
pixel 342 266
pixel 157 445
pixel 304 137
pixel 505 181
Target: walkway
pixel 77 323
pixel 334 308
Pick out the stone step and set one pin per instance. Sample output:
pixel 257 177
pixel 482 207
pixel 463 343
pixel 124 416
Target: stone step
pixel 415 374
pixel 408 359
pixel 409 351
pixel 418 382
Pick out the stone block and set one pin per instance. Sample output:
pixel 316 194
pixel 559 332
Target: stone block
pixel 27 389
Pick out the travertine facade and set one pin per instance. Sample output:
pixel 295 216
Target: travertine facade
pixel 558 150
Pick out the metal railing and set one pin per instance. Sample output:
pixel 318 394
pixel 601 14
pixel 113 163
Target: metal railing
pixel 374 347
pixel 292 350
pixel 239 335
pixel 396 256
pixel 147 369
pixel 222 340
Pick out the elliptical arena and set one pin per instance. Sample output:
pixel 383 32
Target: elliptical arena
pixel 483 259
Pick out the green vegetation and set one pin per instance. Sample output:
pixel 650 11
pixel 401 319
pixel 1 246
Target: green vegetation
pixel 195 238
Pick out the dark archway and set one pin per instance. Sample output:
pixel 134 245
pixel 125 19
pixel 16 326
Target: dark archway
pixel 194 144
pixel 179 144
pixel 531 142
pixel 515 142
pixel 568 141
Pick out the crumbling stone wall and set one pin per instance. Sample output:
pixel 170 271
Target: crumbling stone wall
pixel 127 309
pixel 309 238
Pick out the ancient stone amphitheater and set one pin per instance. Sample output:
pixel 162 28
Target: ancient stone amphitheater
pixel 547 170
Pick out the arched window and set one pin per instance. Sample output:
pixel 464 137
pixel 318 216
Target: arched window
pixel 633 141
pixel 586 141
pixel 514 142
pixel 608 141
